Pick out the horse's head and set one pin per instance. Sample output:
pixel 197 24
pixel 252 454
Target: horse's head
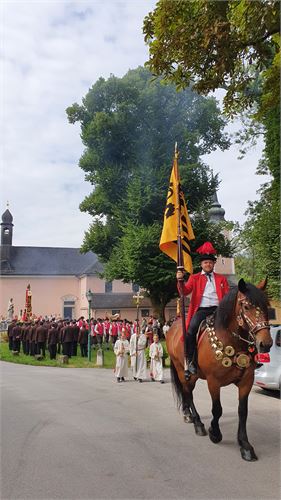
pixel 252 314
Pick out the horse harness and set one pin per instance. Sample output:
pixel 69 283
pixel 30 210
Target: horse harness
pixel 227 355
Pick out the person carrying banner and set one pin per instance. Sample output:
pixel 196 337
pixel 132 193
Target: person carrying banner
pixel 207 288
pixel 175 239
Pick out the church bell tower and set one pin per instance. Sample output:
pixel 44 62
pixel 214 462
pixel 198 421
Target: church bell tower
pixel 6 235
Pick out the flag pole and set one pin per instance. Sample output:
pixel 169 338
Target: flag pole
pixel 180 266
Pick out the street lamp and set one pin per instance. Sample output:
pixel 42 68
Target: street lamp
pixel 89 295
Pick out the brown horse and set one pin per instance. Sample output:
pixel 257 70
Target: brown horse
pixel 227 347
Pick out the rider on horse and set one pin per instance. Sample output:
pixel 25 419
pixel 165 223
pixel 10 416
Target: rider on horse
pixel 208 288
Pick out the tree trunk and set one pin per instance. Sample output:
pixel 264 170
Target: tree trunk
pixel 159 305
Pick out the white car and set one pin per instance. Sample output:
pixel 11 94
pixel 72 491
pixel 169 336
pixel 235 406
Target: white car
pixel 268 376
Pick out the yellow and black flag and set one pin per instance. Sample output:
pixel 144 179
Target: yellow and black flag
pixel 175 222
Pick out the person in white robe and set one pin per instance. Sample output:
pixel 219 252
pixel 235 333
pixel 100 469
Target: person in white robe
pixel 156 356
pixel 121 348
pixel 137 353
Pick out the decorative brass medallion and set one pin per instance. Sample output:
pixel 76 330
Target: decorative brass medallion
pixel 219 355
pixel 243 360
pixel 226 362
pixel 229 350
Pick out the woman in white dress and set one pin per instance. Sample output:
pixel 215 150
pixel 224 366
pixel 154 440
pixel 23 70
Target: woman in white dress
pixel 121 348
pixel 156 355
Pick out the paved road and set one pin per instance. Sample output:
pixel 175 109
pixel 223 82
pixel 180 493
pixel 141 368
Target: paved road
pixel 77 434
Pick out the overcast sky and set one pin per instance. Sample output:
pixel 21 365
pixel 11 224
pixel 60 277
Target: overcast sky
pixel 51 54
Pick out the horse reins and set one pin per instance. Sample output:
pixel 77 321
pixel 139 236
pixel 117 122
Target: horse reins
pixel 242 316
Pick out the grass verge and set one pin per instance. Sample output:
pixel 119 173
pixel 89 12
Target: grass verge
pixel 74 361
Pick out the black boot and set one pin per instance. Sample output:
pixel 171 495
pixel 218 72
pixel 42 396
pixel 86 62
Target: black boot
pixel 191 349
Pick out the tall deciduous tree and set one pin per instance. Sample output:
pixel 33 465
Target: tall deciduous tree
pixel 212 44
pixel 234 45
pixel 129 126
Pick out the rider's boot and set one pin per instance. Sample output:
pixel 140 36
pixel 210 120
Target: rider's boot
pixel 192 368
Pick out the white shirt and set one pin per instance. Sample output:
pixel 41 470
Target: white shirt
pixel 209 297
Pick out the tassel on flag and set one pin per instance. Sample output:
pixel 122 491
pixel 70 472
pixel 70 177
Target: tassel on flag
pixel 169 238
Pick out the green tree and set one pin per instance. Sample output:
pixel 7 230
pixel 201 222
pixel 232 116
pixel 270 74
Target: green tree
pixel 234 45
pixel 212 44
pixel 129 126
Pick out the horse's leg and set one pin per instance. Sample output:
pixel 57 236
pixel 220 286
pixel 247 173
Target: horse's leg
pixel 192 412
pixel 215 434
pixel 186 399
pixel 247 451
pixel 187 415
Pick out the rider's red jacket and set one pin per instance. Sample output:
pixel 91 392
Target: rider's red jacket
pixel 196 284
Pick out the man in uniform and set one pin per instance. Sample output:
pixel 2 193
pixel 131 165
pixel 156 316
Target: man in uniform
pixel 10 334
pixel 75 331
pixel 40 339
pixel 67 339
pixel 33 347
pixel 52 341
pixel 16 333
pixel 208 288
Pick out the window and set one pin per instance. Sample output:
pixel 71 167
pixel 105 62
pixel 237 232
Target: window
pixel 135 288
pixel 108 287
pixel 68 309
pixel 144 313
pixel 115 311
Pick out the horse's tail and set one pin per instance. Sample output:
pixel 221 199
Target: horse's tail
pixel 177 386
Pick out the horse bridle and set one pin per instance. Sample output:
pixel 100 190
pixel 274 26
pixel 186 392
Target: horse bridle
pixel 242 318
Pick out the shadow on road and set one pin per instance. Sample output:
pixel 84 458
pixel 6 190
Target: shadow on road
pixel 266 393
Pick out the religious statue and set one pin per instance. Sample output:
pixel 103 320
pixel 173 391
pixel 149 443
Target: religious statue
pixel 11 309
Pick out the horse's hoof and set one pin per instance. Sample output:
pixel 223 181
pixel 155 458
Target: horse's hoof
pixel 248 455
pixel 215 438
pixel 188 419
pixel 200 430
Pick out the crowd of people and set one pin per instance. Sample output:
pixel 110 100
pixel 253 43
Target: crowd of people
pixel 63 337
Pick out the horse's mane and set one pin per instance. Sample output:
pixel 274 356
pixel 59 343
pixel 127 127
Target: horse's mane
pixel 225 310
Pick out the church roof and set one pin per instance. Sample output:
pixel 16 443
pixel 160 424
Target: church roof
pixel 49 261
pixel 216 212
pixel 7 217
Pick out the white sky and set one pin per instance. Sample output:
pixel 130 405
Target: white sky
pixel 51 54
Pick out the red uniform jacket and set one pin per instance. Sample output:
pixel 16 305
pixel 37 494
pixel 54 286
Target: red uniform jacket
pixel 196 284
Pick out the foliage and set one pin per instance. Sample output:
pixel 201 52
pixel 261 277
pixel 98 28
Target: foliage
pixel 129 126
pixel 234 45
pixel 260 238
pixel 209 44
